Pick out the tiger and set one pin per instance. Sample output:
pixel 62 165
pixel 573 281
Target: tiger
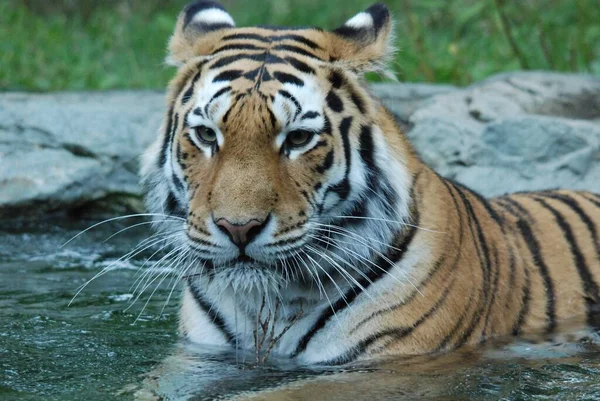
pixel 304 219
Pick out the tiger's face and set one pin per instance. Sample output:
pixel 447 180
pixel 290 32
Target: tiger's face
pixel 271 148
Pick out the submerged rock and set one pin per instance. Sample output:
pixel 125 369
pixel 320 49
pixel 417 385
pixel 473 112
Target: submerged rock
pixel 517 131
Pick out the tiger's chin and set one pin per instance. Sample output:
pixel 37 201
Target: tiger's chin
pixel 249 280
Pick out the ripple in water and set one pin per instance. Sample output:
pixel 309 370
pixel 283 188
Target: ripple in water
pixel 93 350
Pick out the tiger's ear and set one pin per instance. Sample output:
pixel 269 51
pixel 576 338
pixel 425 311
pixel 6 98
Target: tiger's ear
pixel 365 42
pixel 197 31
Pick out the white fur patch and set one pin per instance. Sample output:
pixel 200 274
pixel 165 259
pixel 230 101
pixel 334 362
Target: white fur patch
pixel 213 16
pixel 217 108
pixel 196 323
pixel 360 21
pixel 310 98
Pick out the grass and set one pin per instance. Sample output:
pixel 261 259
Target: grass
pixel 90 44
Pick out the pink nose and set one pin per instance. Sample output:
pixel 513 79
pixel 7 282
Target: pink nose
pixel 240 234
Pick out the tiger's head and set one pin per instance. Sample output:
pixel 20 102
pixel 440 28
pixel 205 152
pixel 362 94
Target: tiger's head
pixel 273 153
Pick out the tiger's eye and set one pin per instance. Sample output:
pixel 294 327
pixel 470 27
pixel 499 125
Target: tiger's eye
pixel 206 135
pixel 299 138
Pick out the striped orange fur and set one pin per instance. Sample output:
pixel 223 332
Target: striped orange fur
pixel 312 225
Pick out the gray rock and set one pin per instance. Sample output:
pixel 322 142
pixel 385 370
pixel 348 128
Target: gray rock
pixel 404 99
pixel 517 131
pixel 66 149
pixel 497 136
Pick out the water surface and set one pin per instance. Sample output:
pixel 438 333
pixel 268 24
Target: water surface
pixel 98 349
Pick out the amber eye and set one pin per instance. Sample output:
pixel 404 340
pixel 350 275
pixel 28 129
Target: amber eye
pixel 298 138
pixel 207 135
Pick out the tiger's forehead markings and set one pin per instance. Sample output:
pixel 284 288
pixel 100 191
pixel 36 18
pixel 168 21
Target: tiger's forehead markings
pixel 276 65
pixel 261 54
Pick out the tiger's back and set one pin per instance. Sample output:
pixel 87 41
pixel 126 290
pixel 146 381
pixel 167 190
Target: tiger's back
pixel 557 235
pixel 525 264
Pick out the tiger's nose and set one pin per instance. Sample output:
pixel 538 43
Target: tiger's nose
pixel 241 234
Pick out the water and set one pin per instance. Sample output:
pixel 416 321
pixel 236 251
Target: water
pixel 93 350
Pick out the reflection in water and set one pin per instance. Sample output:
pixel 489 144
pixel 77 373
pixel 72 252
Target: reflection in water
pixel 518 371
pixel 92 350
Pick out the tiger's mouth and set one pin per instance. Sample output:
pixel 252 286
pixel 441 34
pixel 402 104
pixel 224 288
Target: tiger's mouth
pixel 245 263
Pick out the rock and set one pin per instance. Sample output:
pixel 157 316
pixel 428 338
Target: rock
pixel 497 136
pixel 63 150
pixel 517 131
pixel 404 99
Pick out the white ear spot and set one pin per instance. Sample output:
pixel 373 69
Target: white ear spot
pixel 213 16
pixel 360 21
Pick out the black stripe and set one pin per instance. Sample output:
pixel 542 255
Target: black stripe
pixel 576 207
pixel 226 60
pixel 168 137
pixel 484 258
pixel 592 294
pixel 272 118
pixel 318 145
pixel 212 313
pixel 237 46
pixel 512 266
pixel 296 49
pixel 190 91
pixel 286 78
pixel 178 183
pixel 525 299
pixel 273 59
pixel 300 66
pixel 228 75
pixel 367 148
pixel 345 125
pixel 590 197
pixel 342 188
pixel 327 126
pixel 493 290
pixel 198 240
pixel 172 206
pixel 508 208
pixel 252 36
pixel 512 205
pixel 534 248
pixel 456 328
pixel 358 102
pixel 334 102
pixel 486 204
pixel 268 39
pixel 291 97
pixel 358 209
pixel 394 255
pixel 327 163
pixel 310 115
pixel 396 334
pixel 418 290
pixel 198 111
pixel 463 315
pixel 219 93
pixel 337 79
pixel 376 181
pixel 297 38
pixel 171 137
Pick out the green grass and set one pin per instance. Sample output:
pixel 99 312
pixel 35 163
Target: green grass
pixel 90 44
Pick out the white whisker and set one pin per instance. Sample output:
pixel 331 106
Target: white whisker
pixel 120 218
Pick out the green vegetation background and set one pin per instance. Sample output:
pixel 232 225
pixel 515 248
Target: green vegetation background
pixel 105 44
